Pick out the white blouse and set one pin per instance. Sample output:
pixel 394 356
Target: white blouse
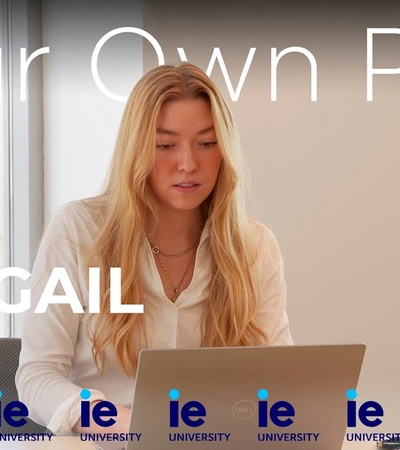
pixel 56 357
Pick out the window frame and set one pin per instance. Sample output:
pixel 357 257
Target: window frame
pixel 23 145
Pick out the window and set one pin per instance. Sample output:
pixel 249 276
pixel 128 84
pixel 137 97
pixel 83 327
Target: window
pixel 21 203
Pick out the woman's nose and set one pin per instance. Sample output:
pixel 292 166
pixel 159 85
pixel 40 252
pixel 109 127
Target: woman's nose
pixel 187 160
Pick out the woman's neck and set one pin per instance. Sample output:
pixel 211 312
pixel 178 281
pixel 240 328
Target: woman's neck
pixel 175 232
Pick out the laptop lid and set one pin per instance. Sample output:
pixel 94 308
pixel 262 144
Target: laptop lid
pixel 244 397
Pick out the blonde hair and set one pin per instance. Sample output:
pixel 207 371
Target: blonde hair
pixel 128 204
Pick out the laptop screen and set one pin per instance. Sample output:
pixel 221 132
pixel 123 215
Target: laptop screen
pixel 244 397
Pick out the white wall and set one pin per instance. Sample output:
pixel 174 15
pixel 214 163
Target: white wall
pixel 80 122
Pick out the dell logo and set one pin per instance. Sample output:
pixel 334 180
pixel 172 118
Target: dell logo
pixel 244 409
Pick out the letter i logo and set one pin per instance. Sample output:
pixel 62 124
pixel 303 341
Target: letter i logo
pixel 351 408
pixel 191 413
pixel 279 412
pixel 85 408
pixel 368 412
pixel 174 408
pixel 100 412
pixel 262 408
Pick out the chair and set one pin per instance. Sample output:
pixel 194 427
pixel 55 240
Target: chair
pixel 10 349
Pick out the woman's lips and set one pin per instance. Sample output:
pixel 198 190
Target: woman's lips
pixel 187 187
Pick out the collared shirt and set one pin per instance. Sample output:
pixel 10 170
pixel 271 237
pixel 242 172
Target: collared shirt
pixel 56 358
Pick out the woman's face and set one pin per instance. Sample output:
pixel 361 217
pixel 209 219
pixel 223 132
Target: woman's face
pixel 187 156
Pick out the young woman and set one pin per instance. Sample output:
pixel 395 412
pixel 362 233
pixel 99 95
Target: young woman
pixel 172 218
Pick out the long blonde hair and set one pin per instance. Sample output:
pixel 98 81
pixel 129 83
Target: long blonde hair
pixel 128 204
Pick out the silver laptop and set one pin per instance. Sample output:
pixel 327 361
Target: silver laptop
pixel 291 397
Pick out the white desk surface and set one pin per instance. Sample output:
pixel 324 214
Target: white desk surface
pixel 74 443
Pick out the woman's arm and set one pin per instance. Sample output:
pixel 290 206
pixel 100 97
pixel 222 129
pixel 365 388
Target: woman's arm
pixel 49 339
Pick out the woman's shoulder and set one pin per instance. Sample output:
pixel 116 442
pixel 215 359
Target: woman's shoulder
pixel 86 209
pixel 78 218
pixel 261 232
pixel 265 241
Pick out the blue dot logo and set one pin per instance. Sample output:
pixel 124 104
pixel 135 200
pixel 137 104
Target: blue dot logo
pixel 351 394
pixel 85 394
pixel 262 394
pixel 174 394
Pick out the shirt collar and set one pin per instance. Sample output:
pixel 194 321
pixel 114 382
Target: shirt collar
pixel 205 233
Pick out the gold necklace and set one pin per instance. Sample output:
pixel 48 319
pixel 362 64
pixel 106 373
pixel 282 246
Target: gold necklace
pixel 175 289
pixel 156 250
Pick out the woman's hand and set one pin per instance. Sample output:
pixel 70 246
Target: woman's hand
pixel 122 421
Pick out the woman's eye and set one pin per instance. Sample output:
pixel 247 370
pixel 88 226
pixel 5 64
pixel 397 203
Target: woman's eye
pixel 164 146
pixel 208 144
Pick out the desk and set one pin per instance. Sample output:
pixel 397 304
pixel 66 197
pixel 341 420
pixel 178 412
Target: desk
pixel 56 443
pixel 74 443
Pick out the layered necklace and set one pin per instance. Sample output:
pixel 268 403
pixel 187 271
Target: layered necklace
pixel 158 253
